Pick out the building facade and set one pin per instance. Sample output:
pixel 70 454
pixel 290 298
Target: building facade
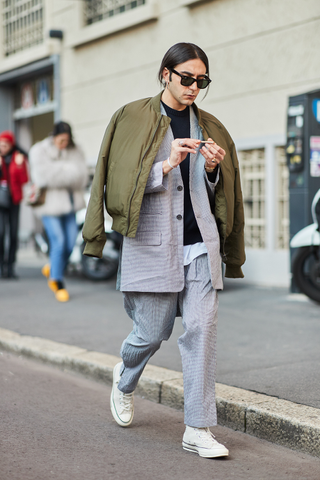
pixel 80 60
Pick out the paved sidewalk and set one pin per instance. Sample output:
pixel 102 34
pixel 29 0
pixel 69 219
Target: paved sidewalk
pixel 57 424
pixel 268 344
pixel 279 421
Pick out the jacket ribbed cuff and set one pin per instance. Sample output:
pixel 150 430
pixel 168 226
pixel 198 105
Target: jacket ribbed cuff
pixel 94 248
pixel 233 271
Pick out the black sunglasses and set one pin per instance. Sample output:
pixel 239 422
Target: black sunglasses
pixel 187 81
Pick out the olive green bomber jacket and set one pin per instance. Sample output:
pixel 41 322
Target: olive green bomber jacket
pixel 128 149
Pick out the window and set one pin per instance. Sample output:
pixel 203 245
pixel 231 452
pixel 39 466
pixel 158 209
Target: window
pixel 282 240
pixel 252 164
pixel 96 10
pixel 22 24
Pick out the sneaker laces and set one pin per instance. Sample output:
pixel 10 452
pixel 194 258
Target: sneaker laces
pixel 125 400
pixel 206 436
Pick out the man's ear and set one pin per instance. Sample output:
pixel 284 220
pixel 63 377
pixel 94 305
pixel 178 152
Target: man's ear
pixel 166 76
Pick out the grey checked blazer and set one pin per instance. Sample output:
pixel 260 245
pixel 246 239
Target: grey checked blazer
pixel 153 260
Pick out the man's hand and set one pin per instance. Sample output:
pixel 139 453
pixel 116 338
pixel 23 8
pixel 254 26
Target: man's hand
pixel 213 154
pixel 180 148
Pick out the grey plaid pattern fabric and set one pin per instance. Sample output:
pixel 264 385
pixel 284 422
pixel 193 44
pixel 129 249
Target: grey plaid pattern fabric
pixel 158 287
pixel 153 260
pixel 153 316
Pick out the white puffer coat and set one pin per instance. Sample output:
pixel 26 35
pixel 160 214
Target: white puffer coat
pixel 63 173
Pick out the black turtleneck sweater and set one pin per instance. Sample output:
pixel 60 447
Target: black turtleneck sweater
pixel 180 125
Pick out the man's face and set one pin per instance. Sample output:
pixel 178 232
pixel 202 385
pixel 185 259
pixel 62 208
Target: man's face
pixel 176 95
pixel 5 147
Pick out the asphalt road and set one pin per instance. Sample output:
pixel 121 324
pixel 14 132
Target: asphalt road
pixel 268 340
pixel 58 425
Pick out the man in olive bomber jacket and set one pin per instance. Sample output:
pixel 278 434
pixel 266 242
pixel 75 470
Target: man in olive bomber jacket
pixel 169 175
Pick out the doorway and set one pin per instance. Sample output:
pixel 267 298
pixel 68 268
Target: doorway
pixel 34 129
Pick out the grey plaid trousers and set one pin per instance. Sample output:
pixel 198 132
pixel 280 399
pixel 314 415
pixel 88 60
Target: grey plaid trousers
pixel 153 316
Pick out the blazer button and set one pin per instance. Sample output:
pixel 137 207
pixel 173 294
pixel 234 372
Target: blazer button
pixel 180 187
pixel 179 217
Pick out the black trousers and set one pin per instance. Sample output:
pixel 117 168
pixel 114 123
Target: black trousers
pixel 9 226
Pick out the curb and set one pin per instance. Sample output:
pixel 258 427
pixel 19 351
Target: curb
pixel 279 421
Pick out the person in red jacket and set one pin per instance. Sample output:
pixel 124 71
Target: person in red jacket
pixel 13 174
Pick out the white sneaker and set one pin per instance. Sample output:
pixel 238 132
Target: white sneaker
pixel 121 403
pixel 202 441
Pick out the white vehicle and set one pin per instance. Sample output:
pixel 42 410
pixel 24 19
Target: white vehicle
pixel 306 260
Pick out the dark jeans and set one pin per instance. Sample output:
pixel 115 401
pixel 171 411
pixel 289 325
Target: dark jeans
pixel 9 225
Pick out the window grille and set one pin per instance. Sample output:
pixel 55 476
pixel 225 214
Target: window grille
pixel 252 163
pixel 22 24
pixel 96 10
pixel 282 240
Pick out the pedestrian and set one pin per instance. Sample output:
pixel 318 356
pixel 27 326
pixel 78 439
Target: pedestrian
pixel 13 174
pixel 177 200
pixel 58 166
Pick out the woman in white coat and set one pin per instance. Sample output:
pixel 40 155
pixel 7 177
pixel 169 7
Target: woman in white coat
pixel 58 165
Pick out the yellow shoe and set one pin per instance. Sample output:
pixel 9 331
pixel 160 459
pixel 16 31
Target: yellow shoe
pixel 46 270
pixel 53 285
pixel 62 295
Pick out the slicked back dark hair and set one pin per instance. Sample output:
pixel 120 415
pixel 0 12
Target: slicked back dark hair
pixel 180 53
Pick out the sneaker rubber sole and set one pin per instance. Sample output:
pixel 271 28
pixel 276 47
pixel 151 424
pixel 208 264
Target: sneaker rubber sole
pixel 221 452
